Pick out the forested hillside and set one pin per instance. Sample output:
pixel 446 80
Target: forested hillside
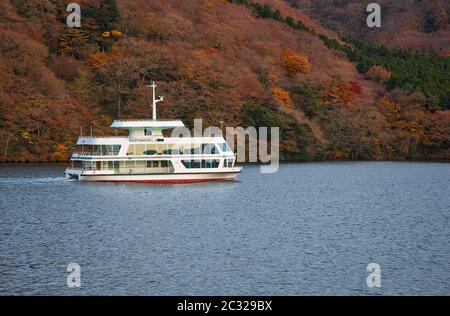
pixel 422 25
pixel 260 63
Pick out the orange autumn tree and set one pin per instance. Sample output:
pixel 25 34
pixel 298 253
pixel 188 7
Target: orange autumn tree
pixel 99 59
pixel 343 92
pixel 295 63
pixel 282 96
pixel 60 153
pixel 397 118
pixel 116 33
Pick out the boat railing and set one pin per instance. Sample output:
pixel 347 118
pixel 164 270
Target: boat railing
pixel 91 137
pixel 94 153
pixel 126 170
pixel 146 138
pixel 143 120
pixel 90 169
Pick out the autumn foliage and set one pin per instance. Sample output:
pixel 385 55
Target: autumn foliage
pixel 295 63
pixel 212 59
pixel 282 96
pixel 343 92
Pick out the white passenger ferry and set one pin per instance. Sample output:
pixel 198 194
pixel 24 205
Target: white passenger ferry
pixel 147 156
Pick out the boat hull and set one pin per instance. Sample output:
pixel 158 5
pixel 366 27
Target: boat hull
pixel 173 178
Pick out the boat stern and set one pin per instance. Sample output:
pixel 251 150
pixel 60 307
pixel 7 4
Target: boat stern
pixel 73 173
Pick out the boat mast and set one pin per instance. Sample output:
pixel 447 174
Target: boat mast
pixel 153 86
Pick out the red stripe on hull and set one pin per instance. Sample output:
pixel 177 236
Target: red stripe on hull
pixel 184 181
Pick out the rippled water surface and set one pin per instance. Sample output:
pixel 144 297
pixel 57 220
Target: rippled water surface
pixel 308 229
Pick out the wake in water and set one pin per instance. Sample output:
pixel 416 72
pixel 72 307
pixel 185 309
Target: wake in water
pixel 6 181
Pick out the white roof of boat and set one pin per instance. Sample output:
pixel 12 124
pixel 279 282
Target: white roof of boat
pixel 147 123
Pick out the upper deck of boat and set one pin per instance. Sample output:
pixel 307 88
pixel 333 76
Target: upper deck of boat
pixel 161 124
pixel 120 140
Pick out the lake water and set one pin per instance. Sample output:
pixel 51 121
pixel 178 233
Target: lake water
pixel 310 228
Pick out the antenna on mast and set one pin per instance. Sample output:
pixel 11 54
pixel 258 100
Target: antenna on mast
pixel 153 86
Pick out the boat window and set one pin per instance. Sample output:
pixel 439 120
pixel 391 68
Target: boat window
pixel 191 163
pixel 209 149
pixel 228 163
pixel 110 149
pixel 148 132
pixel 150 152
pixel 212 163
pixel 105 150
pixel 192 151
pixel 157 164
pixel 224 147
pixel 204 163
pixel 173 151
pixel 152 164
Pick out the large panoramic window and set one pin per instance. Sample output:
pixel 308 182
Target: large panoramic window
pixel 172 149
pixel 106 150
